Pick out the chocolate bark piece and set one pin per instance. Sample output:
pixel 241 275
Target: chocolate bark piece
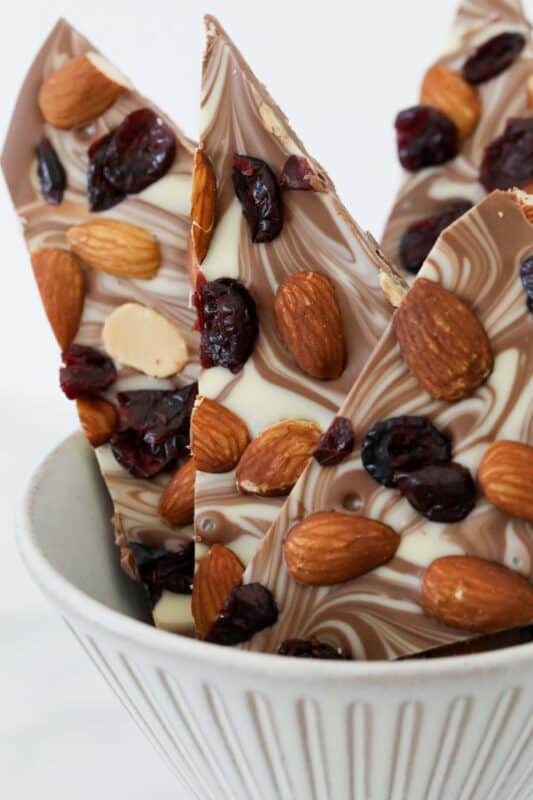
pixel 379 615
pixel 427 193
pixel 318 259
pixel 163 210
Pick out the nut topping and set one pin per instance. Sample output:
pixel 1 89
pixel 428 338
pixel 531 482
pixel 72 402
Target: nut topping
pixel 218 436
pixel 176 504
pixel 60 280
pixel 217 574
pixel 506 477
pixel 118 248
pixel 450 93
pixel 204 194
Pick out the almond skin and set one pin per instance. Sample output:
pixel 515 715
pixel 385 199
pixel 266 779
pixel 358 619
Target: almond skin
pixel 204 195
pixel 309 322
pixel 217 574
pixel 98 419
pixel 176 504
pixel 506 478
pixel 442 342
pixel 330 547
pixel 476 595
pixel 116 247
pixel 218 436
pixel 273 461
pixel 60 281
pixel 448 92
pixel 78 92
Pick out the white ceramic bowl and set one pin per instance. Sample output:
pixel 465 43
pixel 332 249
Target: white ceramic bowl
pixel 234 725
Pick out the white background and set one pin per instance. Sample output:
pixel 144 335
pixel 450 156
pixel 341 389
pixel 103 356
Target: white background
pixel 340 70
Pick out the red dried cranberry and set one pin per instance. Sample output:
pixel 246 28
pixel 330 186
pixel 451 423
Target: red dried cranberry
pixel 51 172
pixel 161 569
pixel 228 319
pixel 402 443
pixel 85 371
pixel 526 276
pixel 308 648
pixel 508 160
pixel 153 430
pixel 296 173
pixel 425 137
pixel 493 57
pixel 336 443
pixel 257 189
pixel 247 610
pixel 100 193
pixel 440 492
pixel 419 238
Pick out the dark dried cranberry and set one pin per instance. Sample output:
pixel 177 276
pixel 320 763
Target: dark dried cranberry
pixel 419 238
pixel 51 172
pixel 526 276
pixel 425 137
pixel 164 569
pixel 493 57
pixel 227 319
pixel 85 371
pixel 336 443
pixel 508 160
pixel 247 610
pixel 308 648
pixel 100 193
pixel 153 429
pixel 257 189
pixel 297 173
pixel 402 443
pixel 440 492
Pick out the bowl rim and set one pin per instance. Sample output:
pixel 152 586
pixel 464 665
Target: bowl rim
pixel 70 599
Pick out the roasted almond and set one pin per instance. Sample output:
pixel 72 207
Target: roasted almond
pixel 525 201
pixel 60 281
pixel 530 91
pixel 274 460
pixel 98 419
pixel 309 321
pixel 118 248
pixel 204 194
pixel 448 92
pixel 476 595
pixel 442 341
pixel 218 436
pixel 506 478
pixel 176 504
pixel 217 574
pixel 82 89
pixel 330 547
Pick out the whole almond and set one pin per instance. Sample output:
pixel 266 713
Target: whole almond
pixel 217 574
pixel 218 436
pixel 448 92
pixel 82 89
pixel 274 460
pixel 98 419
pixel 442 341
pixel 476 595
pixel 60 281
pixel 140 337
pixel 118 248
pixel 204 194
pixel 330 547
pixel 506 478
pixel 309 321
pixel 176 504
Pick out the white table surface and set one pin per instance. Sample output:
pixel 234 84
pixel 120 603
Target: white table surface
pixel 341 77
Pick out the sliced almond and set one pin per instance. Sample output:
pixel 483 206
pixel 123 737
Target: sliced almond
pixel 176 504
pixel 140 337
pixel 218 436
pixel 204 194
pixel 217 574
pixel 118 248
pixel 60 281
pixel 506 478
pixel 448 92
pixel 98 419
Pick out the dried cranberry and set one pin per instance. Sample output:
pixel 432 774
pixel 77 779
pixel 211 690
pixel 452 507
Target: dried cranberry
pixel 297 173
pixel 164 569
pixel 419 238
pixel 257 189
pixel 440 492
pixel 336 443
pixel 402 443
pixel 247 610
pixel 153 429
pixel 51 172
pixel 526 276
pixel 100 193
pixel 85 371
pixel 508 160
pixel 493 57
pixel 308 648
pixel 228 319
pixel 425 137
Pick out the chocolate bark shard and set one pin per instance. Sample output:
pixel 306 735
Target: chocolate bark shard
pixel 163 210
pixel 378 615
pixel 318 236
